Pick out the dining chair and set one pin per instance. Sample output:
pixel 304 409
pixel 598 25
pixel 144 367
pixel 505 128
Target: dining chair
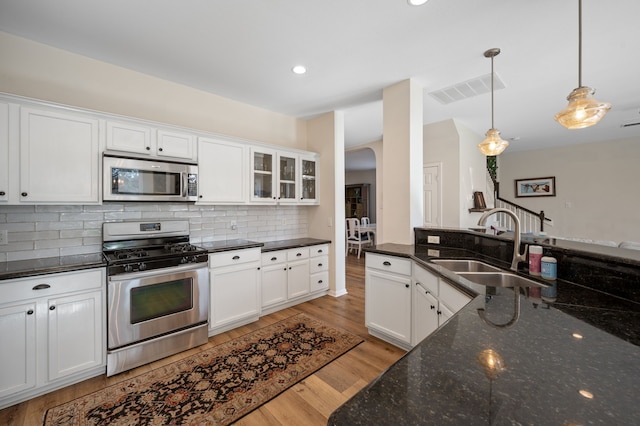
pixel 364 221
pixel 355 238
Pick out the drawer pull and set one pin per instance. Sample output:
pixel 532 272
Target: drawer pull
pixel 433 307
pixel 319 265
pixel 273 259
pixel 236 257
pixel 320 251
pixel 52 307
pixel 386 263
pixel 24 194
pixel 30 312
pixel 41 287
pixel 2 193
pixel 299 254
pixel 406 285
pixel 319 281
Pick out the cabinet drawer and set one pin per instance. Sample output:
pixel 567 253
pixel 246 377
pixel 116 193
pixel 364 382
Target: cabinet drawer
pixel 51 284
pixel 319 264
pixel 394 264
pixel 321 250
pixel 426 279
pixel 298 254
pixel 273 257
pixel 319 281
pixel 234 257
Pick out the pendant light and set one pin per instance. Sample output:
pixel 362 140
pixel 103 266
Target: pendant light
pixel 493 144
pixel 583 110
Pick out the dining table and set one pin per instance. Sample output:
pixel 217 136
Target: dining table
pixel 370 229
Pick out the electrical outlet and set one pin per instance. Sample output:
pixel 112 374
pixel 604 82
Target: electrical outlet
pixel 234 225
pixel 433 239
pixel 4 237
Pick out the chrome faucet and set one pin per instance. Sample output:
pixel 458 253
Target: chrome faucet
pixel 517 256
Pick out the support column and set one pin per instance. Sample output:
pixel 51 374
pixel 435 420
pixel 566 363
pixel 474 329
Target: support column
pixel 325 135
pixel 402 145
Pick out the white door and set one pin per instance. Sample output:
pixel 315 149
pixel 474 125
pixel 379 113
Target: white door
pixel 75 340
pixel 18 350
pixel 432 188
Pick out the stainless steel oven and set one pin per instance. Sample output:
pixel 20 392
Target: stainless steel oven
pixel 134 179
pixel 157 292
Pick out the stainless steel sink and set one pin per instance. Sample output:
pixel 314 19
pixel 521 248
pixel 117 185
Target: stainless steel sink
pixel 465 265
pixel 499 279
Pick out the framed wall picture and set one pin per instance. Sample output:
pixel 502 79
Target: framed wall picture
pixel 536 187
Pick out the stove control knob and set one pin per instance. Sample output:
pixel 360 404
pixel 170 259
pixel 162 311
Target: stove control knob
pixel 194 259
pixel 184 260
pixel 128 268
pixel 142 266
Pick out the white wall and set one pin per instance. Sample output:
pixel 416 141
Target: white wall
pixel 365 176
pixel 35 70
pixel 463 169
pixel 596 184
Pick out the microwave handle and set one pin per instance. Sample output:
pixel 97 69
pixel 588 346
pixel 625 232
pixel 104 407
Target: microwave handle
pixel 185 181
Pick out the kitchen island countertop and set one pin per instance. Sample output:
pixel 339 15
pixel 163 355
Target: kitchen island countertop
pixel 557 368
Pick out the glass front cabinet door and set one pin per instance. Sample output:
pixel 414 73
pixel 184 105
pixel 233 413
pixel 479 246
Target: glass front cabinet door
pixel 287 178
pixel 309 179
pixel 263 179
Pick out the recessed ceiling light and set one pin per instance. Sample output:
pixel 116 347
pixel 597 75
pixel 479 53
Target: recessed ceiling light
pixel 417 2
pixel 299 69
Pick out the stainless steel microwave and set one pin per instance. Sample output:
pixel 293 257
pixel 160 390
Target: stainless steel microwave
pixel 136 179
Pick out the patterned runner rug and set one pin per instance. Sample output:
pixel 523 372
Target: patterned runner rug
pixel 216 386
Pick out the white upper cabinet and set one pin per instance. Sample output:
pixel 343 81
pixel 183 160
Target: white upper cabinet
pixel 283 177
pixel 263 175
pixel 4 151
pixel 174 144
pixel 59 158
pixel 147 140
pixel 288 178
pixel 309 179
pixel 222 172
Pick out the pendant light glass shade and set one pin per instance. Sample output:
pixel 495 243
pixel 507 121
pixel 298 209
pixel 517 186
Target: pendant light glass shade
pixel 493 144
pixel 583 110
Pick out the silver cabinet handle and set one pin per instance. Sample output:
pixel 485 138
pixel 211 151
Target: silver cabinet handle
pixel 386 263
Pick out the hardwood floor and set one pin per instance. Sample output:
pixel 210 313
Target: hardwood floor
pixel 309 402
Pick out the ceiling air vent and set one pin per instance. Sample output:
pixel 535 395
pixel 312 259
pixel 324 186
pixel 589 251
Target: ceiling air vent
pixel 467 89
pixel 630 124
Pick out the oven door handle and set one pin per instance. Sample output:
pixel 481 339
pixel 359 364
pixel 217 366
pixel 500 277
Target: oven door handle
pixel 156 272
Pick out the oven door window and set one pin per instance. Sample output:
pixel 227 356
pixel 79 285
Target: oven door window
pixel 144 182
pixel 158 300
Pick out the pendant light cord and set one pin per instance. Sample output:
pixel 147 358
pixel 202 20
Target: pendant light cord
pixel 492 126
pixel 579 43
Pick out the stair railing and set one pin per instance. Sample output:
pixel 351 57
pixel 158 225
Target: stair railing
pixel 530 221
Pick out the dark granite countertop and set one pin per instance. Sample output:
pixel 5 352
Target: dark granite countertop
pixel 226 245
pixel 48 265
pixel 292 243
pixel 560 365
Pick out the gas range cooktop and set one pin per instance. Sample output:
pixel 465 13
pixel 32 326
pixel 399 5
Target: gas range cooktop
pixel 141 246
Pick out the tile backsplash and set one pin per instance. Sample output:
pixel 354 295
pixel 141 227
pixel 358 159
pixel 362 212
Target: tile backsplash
pixel 51 230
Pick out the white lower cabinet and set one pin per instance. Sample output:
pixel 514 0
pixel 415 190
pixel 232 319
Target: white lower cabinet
pixel 434 302
pixel 56 326
pixel 388 298
pixel 234 279
pixel 404 302
pixel 319 268
pixel 293 276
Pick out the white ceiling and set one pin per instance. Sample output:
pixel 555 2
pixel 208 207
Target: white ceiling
pixel 245 49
